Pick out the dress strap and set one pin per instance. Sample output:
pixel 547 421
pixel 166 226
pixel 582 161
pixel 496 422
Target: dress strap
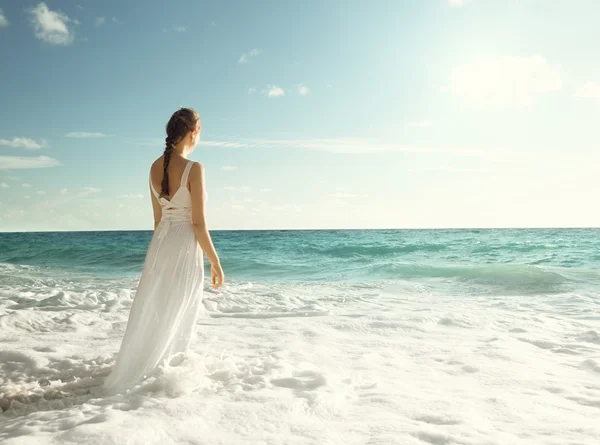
pixel 186 174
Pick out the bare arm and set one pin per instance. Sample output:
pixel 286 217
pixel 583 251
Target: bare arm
pixel 156 208
pixel 197 190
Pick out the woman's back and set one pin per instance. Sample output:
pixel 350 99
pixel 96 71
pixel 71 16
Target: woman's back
pixel 176 169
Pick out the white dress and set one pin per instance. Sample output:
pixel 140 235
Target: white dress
pixel 168 298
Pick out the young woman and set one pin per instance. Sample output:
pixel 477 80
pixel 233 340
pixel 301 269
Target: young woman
pixel 168 298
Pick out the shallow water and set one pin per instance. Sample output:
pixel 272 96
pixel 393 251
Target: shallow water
pixel 379 337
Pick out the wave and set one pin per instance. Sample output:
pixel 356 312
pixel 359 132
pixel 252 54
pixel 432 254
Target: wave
pixel 372 251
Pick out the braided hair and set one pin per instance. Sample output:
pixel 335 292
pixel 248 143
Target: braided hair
pixel 181 123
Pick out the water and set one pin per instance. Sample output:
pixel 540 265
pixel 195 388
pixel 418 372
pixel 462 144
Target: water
pixel 398 336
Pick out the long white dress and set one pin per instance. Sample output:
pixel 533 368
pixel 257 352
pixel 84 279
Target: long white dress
pixel 168 298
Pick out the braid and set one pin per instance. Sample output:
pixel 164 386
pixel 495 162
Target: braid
pixel 181 123
pixel 169 147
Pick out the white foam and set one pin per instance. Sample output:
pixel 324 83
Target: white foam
pixel 306 363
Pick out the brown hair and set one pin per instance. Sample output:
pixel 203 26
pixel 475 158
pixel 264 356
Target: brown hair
pixel 181 123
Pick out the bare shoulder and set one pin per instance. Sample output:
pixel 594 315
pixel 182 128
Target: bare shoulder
pixel 197 170
pixel 157 165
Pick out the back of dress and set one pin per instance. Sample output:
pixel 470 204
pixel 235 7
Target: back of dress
pixel 168 298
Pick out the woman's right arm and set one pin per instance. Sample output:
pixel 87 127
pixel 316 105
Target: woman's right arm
pixel 198 192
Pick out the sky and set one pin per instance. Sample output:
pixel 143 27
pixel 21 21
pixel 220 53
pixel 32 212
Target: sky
pixel 316 114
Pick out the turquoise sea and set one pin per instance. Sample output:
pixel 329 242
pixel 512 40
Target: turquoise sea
pixel 472 336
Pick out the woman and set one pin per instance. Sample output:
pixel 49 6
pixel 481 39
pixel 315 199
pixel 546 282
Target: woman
pixel 169 294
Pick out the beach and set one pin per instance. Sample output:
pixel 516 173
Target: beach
pixel 318 337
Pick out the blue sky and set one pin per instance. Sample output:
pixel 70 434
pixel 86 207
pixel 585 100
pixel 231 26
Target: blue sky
pixel 316 114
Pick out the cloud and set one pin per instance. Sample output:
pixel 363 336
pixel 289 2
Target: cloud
pixel 4 185
pixel 245 58
pixel 346 146
pixel 50 26
pixel 26 185
pixel 180 29
pixel 251 90
pixel 343 195
pixel 229 168
pixel 275 91
pixel 222 144
pixel 41 193
pixel 3 21
pixel 99 21
pixel 117 21
pixel 84 135
pixel 18 162
pixel 590 90
pixel 303 90
pixel 76 22
pixel 458 3
pixel 245 189
pixel 64 192
pixel 505 80
pixel 420 124
pixel 265 190
pixel 229 188
pixel 27 143
pixel 138 196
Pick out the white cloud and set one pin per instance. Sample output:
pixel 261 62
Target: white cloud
pixel 349 145
pixel 590 90
pixel 18 162
pixel 27 143
pixel 343 195
pixel 229 168
pixel 138 196
pixel 26 185
pixel 76 22
pixel 99 21
pixel 251 90
pixel 457 3
pixel 303 90
pixel 3 21
pixel 275 91
pixel 180 29
pixel 420 124
pixel 91 190
pixel 63 192
pixel 117 21
pixel 505 80
pixel 41 193
pixel 84 135
pixel 265 190
pixel 245 189
pixel 245 58
pixel 51 26
pixel 4 185
pixel 223 144
pixel 229 188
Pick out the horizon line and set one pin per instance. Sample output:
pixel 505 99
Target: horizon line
pixel 318 230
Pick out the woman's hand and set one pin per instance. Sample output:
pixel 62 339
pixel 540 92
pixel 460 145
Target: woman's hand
pixel 217 275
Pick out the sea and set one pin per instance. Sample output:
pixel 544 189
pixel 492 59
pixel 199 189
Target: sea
pixel 409 337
